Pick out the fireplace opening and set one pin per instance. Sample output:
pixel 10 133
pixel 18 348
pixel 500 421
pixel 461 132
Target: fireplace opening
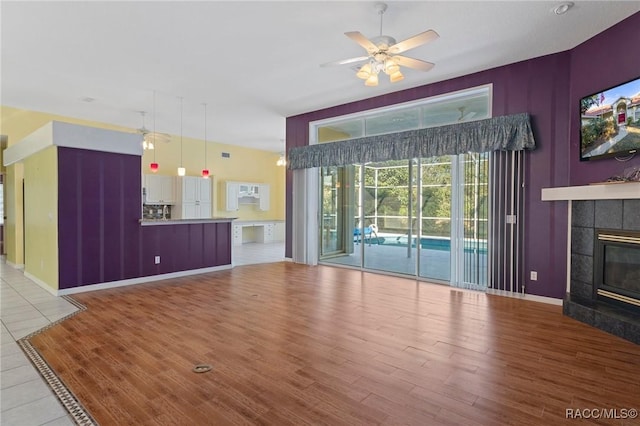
pixel 617 268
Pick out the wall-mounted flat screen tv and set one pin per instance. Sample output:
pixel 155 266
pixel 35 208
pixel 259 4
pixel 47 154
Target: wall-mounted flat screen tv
pixel 610 122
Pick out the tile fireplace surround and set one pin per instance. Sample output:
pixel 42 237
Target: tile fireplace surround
pixel 610 206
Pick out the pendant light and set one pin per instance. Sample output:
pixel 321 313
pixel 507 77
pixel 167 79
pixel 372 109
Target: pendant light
pixel 181 170
pixel 154 166
pixel 205 171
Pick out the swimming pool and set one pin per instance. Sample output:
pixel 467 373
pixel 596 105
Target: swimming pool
pixel 431 243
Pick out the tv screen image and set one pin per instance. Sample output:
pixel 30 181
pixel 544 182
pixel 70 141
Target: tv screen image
pixel 610 122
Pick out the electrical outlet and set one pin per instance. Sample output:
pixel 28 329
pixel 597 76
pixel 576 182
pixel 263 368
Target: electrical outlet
pixel 157 260
pixel 534 276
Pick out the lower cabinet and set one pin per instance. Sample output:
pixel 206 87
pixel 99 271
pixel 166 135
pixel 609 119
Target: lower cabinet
pixel 237 235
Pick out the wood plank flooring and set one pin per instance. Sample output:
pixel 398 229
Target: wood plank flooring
pixel 294 345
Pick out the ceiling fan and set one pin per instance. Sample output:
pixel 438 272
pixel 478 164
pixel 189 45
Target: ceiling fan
pixel 150 138
pixel 383 53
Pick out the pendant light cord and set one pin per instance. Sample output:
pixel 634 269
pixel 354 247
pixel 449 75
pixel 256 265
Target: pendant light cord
pixel 154 126
pixel 205 135
pixel 180 131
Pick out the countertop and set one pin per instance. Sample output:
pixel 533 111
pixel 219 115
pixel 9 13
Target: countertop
pixel 257 221
pixel 154 222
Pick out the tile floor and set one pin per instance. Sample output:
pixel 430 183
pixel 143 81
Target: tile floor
pixel 25 398
pixel 251 253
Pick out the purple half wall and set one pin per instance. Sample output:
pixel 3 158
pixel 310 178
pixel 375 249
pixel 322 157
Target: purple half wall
pixel 100 238
pixel 544 88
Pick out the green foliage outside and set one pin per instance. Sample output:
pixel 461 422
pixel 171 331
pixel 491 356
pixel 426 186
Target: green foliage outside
pixel 386 196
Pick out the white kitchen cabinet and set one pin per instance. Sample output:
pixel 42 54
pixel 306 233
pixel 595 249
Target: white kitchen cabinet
pixel 194 198
pixel 232 196
pixel 268 233
pixel 237 235
pixel 243 193
pixel 263 200
pixel 159 189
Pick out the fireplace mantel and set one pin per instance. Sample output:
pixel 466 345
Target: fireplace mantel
pixel 604 191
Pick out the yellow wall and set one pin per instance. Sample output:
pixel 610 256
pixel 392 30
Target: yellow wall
pixel 41 216
pixel 13 225
pixel 247 165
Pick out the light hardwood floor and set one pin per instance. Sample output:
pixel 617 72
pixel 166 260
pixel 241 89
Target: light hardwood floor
pixel 292 344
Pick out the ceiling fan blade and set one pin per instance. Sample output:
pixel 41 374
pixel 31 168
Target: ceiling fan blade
pixel 416 64
pixel 345 61
pixel 414 41
pixel 362 41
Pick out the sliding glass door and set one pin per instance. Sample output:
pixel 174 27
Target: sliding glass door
pixel 422 217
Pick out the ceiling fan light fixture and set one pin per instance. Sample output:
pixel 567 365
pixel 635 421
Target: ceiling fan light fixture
pixel 396 76
pixel 364 72
pixel 391 67
pixel 147 144
pixel 372 80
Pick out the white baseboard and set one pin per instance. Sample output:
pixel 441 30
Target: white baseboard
pixel 41 283
pixel 15 265
pixel 531 297
pixel 140 280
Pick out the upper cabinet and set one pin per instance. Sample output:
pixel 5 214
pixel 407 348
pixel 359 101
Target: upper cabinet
pixel 194 198
pixel 243 193
pixel 159 189
pixel 263 200
pixel 232 202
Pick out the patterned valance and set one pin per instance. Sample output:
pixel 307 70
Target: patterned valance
pixel 506 133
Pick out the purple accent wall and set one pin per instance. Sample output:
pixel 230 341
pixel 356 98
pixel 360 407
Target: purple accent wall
pixel 545 88
pixel 99 236
pixel 599 63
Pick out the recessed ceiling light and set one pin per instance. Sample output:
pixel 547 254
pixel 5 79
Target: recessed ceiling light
pixel 562 8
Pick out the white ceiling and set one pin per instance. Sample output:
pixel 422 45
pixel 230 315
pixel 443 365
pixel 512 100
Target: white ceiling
pixel 255 63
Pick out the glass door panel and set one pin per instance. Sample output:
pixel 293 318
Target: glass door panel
pixel 389 222
pixel 332 239
pixel 435 235
pixel 337 204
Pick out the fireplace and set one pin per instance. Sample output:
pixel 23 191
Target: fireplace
pixel 616 278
